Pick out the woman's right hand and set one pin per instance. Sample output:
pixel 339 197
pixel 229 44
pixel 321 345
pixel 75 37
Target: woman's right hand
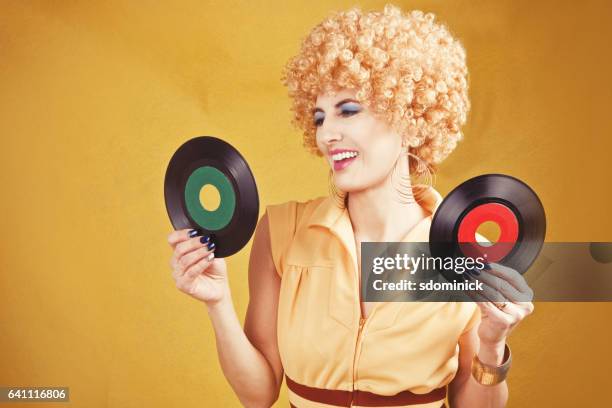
pixel 195 269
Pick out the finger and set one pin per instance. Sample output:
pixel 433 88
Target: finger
pixel 182 262
pixel 178 236
pixel 173 261
pixel 186 284
pixel 515 312
pixel 502 286
pixel 489 309
pixel 492 294
pixel 192 244
pixel 487 292
pixel 191 258
pixel 175 268
pixel 476 296
pixel 200 266
pixel 510 275
pixel 528 307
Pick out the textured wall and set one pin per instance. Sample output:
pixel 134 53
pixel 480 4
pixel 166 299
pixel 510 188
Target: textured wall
pixel 96 98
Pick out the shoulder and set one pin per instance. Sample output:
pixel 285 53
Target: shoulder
pixel 284 220
pixel 294 205
pixel 288 215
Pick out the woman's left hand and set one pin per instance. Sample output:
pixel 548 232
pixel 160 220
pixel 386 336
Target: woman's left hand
pixel 504 302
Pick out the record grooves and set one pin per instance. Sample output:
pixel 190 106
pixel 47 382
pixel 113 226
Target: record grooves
pixel 498 198
pixel 207 160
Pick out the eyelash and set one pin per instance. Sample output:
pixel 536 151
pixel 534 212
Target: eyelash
pixel 343 112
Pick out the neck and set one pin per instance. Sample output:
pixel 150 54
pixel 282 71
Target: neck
pixel 379 214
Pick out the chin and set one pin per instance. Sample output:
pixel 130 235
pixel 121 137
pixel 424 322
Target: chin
pixel 348 181
pixel 350 187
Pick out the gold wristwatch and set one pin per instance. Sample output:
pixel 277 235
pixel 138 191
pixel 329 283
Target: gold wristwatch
pixel 491 375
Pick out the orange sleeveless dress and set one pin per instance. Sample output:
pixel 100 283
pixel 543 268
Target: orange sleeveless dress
pixel 401 348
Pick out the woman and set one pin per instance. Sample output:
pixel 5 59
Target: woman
pixel 381 96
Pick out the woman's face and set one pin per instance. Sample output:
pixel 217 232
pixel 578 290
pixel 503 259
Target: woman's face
pixel 361 148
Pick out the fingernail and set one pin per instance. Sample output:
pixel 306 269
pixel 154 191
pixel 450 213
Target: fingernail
pixel 210 257
pixel 486 267
pixel 205 239
pixel 211 246
pixel 474 271
pixel 468 275
pixel 193 233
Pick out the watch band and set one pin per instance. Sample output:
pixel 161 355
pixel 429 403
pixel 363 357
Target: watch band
pixel 491 375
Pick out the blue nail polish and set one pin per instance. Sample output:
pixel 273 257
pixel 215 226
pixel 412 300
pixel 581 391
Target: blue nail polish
pixel 193 233
pixel 475 272
pixel 468 275
pixel 211 246
pixel 486 267
pixel 205 239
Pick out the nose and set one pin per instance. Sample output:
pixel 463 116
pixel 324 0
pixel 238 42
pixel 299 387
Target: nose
pixel 329 133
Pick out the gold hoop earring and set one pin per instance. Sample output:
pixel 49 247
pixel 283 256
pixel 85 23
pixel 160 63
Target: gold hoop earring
pixel 424 177
pixel 402 184
pixel 339 196
pixel 411 187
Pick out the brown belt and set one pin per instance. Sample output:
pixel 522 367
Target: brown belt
pixel 341 398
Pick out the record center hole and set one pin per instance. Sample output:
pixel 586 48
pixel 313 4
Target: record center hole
pixel 490 230
pixel 210 199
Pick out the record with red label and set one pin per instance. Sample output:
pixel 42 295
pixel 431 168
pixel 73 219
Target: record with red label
pixel 503 200
pixel 208 164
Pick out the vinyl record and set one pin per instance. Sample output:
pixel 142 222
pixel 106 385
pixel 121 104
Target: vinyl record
pixel 501 199
pixel 208 161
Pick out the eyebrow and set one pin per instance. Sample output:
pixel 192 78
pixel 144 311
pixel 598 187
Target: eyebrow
pixel 342 102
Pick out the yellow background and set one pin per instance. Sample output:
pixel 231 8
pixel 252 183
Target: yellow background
pixel 95 98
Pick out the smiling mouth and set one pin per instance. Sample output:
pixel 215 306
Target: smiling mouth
pixel 342 160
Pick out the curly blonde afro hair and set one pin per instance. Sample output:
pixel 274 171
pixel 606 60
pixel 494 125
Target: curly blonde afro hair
pixel 403 66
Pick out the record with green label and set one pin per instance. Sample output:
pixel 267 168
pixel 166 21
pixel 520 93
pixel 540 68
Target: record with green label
pixel 210 187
